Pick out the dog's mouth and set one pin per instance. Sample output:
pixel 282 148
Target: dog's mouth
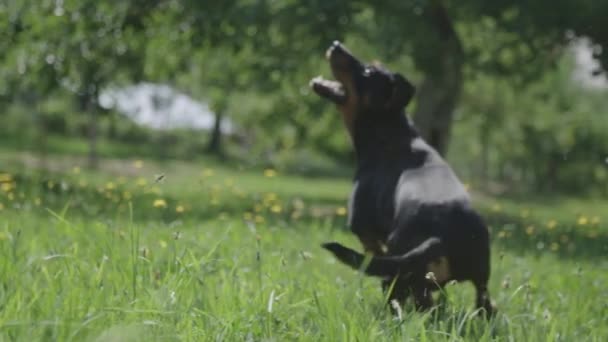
pixel 329 89
pixel 343 65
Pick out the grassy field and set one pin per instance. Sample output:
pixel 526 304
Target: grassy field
pixel 141 250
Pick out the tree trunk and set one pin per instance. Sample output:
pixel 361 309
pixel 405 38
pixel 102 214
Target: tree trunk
pixel 87 107
pixel 215 142
pixel 440 91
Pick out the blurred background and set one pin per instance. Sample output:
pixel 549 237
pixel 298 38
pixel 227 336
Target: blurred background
pixel 513 93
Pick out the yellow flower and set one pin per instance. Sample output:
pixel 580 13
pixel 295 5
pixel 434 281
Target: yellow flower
pixel 271 196
pixel 502 234
pixel 76 170
pixel 138 164
pixel 530 230
pixel 269 173
pixel 110 186
pixel 141 181
pixel 162 243
pixel 179 209
pixel 276 209
pixel 595 220
pixel 5 177
pixel 126 195
pixel 259 219
pixel 582 221
pixel 341 211
pixel 496 207
pixel 296 215
pixel 248 216
pixel 525 213
pixel 551 224
pixel 8 186
pixel 82 183
pixel 160 203
pixel 208 173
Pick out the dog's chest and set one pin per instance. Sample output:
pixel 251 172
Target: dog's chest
pixel 371 205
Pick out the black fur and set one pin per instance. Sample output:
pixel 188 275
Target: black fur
pixel 408 208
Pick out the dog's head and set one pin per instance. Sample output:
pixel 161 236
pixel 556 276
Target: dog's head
pixel 361 89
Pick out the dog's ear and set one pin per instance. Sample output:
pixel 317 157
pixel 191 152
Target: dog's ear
pixel 402 94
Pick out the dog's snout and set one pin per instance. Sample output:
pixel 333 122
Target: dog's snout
pixel 336 48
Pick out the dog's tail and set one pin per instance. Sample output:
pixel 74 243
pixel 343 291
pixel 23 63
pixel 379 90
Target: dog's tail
pixel 389 266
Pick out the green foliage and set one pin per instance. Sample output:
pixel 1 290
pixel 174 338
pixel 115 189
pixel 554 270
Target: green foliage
pixel 251 61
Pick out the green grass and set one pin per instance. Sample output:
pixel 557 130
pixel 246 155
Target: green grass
pixel 234 255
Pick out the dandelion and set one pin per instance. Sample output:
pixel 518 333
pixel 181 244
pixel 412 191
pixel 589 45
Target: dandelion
pixel 259 219
pixel 179 209
pixel 138 164
pixel 431 276
pixel 547 315
pixel 82 183
pixel 7 187
pixel 110 186
pixel 502 234
pixel 554 246
pixel 141 182
pixel 162 243
pixel 76 170
pixel 551 224
pixel 582 221
pixel 270 173
pixel 5 177
pixel 530 230
pixel 159 203
pixel 126 195
pixel 341 211
pixel 276 209
pixel 208 172
pixel 248 216
pixel 525 213
pixel 296 215
pixel 497 208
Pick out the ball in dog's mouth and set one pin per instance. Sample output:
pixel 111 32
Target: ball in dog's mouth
pixel 329 89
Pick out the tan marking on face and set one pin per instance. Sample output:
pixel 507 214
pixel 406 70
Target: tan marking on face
pixel 441 269
pixel 349 108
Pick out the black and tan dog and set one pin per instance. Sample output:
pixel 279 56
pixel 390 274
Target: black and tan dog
pixel 408 208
